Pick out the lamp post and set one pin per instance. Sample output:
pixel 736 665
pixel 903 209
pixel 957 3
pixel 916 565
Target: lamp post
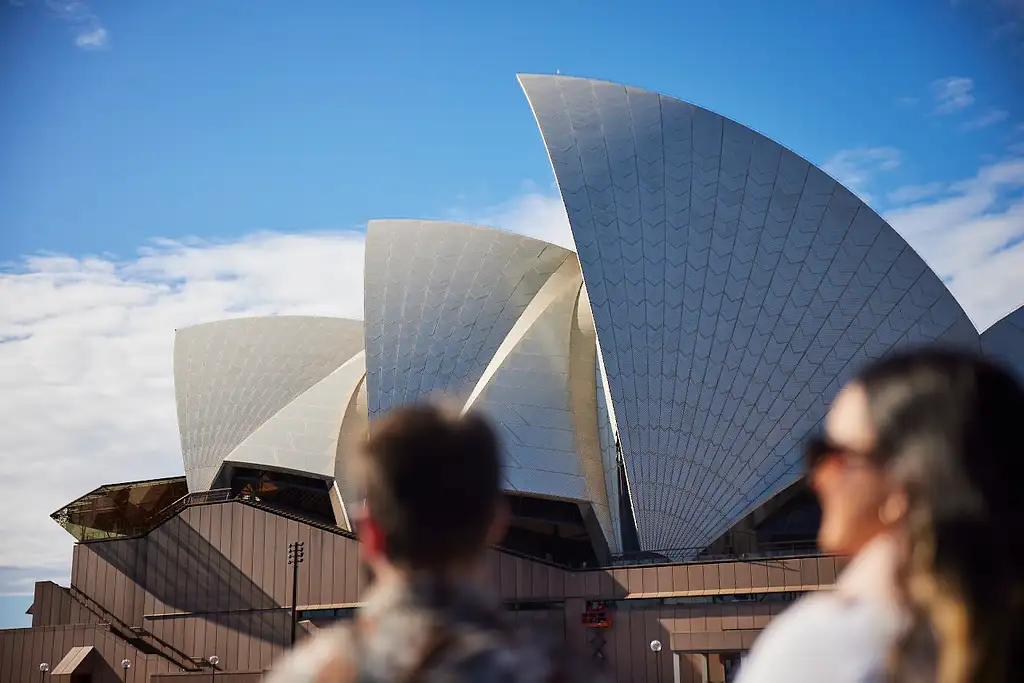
pixel 214 660
pixel 296 554
pixel 43 668
pixel 656 649
pixel 126 664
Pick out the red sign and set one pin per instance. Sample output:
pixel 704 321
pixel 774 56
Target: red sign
pixel 597 619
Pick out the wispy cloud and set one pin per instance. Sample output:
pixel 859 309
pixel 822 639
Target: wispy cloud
pixel 989 118
pixel 908 101
pixel 90 34
pixel 909 194
pixel 952 94
pixel 534 213
pixel 95 39
pixel 86 357
pixel 856 168
pixel 971 232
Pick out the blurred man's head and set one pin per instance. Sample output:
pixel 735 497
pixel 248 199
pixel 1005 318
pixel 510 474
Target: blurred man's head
pixel 432 486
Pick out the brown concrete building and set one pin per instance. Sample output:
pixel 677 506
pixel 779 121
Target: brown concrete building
pixel 168 589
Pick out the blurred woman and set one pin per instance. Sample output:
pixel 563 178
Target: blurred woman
pixel 919 474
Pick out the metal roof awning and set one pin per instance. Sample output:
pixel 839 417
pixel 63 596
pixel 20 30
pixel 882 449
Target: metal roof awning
pixel 73 661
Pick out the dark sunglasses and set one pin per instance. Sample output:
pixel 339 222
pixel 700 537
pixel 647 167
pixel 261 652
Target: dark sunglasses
pixel 819 448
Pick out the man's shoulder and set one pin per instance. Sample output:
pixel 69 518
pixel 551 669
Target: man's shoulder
pixel 327 657
pixel 468 655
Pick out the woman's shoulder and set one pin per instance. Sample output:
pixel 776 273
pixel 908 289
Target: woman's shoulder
pixel 823 637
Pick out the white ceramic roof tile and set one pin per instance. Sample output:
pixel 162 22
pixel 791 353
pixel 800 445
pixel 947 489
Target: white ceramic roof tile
pixel 440 298
pixel 1004 341
pixel 734 286
pixel 232 376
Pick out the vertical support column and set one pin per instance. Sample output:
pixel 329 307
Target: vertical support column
pixel 716 669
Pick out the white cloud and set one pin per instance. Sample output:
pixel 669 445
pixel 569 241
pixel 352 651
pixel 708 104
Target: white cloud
pixel 952 94
pixel 86 366
pixel 914 193
pixel 92 39
pixel 989 118
pixel 90 34
pixel 86 358
pixel 973 237
pixel 534 213
pixel 856 168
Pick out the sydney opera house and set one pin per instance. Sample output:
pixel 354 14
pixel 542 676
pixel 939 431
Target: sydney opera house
pixel 652 390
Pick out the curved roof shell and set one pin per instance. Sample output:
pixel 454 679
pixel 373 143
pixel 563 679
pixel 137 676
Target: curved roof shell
pixel 439 299
pixel 735 286
pixel 267 391
pixel 1005 341
pixel 491 320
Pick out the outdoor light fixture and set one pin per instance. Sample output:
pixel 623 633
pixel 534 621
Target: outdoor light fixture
pixel 43 668
pixel 296 555
pixel 213 660
pixel 656 648
pixel 126 664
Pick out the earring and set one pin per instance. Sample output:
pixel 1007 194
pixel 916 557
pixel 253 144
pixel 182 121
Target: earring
pixel 891 511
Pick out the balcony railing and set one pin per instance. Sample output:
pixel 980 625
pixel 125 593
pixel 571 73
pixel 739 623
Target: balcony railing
pixel 676 555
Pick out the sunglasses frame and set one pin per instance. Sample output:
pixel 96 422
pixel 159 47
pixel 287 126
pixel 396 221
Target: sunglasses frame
pixel 817 449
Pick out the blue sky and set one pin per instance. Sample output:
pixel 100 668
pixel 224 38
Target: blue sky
pixel 165 163
pixel 217 119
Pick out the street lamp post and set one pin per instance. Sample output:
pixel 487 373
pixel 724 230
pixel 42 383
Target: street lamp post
pixel 214 660
pixel 126 664
pixel 656 649
pixel 296 554
pixel 43 668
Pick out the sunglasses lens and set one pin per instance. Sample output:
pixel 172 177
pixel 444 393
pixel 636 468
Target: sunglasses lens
pixel 814 452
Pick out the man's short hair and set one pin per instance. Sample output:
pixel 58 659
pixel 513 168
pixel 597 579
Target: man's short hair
pixel 432 481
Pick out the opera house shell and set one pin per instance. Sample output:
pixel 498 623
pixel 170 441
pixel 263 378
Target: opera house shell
pixel 652 388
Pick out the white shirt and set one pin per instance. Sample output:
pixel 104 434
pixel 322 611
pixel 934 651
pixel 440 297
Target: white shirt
pixel 838 636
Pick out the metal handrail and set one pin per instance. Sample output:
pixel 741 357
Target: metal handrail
pixel 115 621
pixel 699 555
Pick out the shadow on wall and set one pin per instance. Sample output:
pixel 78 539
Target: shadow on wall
pixel 185 572
pixel 99 670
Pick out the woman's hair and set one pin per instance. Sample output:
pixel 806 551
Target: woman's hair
pixel 949 429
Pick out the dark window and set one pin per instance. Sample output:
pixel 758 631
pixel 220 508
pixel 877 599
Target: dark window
pixel 535 606
pixel 324 617
pixel 290 493
pixel 120 510
pixel 552 530
pixel 794 526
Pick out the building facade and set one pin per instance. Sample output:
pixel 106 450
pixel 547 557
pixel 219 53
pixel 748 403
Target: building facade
pixel 652 389
pixel 210 581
